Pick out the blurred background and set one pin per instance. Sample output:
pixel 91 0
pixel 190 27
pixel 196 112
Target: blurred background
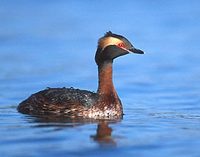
pixel 52 44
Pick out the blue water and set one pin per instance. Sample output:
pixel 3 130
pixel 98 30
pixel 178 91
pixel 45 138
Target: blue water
pixel 52 44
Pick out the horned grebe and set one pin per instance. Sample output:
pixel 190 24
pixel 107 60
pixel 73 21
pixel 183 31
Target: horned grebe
pixel 74 103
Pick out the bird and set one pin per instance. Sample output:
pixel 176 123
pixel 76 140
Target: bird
pixel 77 103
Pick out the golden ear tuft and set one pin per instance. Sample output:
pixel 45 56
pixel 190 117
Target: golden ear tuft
pixel 105 41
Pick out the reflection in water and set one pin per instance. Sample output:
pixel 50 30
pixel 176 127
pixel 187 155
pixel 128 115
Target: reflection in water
pixel 103 132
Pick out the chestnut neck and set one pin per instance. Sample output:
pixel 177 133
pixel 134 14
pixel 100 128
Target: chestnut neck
pixel 106 86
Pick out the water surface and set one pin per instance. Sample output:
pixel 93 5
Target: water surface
pixel 52 44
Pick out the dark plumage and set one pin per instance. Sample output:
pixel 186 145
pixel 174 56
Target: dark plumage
pixel 105 104
pixel 58 101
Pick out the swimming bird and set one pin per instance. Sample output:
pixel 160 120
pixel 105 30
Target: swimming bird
pixel 76 103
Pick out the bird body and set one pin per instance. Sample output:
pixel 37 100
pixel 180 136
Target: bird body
pixel 73 103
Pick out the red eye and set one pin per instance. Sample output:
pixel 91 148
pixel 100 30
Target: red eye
pixel 121 45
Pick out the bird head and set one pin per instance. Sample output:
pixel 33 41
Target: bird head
pixel 111 46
